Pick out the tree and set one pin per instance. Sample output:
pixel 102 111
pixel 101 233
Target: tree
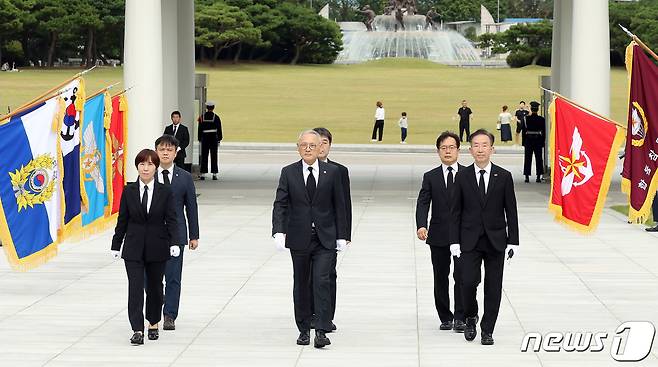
pixel 10 24
pixel 527 43
pixel 303 28
pixel 220 26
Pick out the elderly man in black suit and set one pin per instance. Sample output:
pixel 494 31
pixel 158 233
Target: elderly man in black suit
pixel 309 218
pixel 185 206
pixel 484 227
pixel 147 228
pixel 437 190
pixel 182 134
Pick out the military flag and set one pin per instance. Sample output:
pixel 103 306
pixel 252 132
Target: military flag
pixel 117 138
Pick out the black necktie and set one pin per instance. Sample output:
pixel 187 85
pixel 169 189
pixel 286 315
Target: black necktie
pixel 175 128
pixel 310 184
pixel 481 184
pixel 451 179
pixel 165 177
pixel 145 199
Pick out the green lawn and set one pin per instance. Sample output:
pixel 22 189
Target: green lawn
pixel 274 102
pixel 623 209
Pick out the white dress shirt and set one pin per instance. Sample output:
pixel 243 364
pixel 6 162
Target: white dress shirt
pixel 316 171
pixel 150 193
pixel 487 173
pixel 379 113
pixel 455 168
pixel 171 174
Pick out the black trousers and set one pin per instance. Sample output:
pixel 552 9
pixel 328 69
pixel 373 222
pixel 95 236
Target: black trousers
pixel 471 263
pixel 403 133
pixel 464 127
pixel 332 289
pixel 209 146
pixel 441 258
pixel 527 159
pixel 316 262
pixel 154 272
pixel 654 208
pixel 378 130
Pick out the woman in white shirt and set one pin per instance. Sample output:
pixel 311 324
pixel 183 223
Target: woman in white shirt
pixel 378 129
pixel 504 119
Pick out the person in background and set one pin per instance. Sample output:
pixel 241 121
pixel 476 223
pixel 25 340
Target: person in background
pixel 180 132
pixel 210 135
pixel 404 126
pixel 378 129
pixel 520 116
pixel 504 119
pixel 464 114
pixel 534 136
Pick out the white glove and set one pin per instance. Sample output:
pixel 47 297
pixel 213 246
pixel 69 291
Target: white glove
pixel 280 241
pixel 455 250
pixel 115 254
pixel 341 245
pixel 174 251
pixel 511 250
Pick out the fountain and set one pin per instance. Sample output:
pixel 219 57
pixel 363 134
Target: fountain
pixel 416 37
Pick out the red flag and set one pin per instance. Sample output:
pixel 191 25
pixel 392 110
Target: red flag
pixel 118 136
pixel 583 147
pixel 639 180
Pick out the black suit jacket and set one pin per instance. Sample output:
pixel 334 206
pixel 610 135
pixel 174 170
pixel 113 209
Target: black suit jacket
pixel 434 191
pixel 294 211
pixel 145 237
pixel 185 205
pixel 496 215
pixel 183 136
pixel 345 179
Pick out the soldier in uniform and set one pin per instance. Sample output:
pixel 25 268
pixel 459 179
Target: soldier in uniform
pixel 210 134
pixel 533 139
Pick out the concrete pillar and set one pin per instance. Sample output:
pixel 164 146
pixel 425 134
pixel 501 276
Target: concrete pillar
pixel 169 60
pixel 185 72
pixel 590 55
pixel 565 31
pixel 143 72
pixel 556 49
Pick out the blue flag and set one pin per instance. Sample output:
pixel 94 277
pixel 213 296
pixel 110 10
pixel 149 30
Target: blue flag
pixel 73 97
pixel 94 159
pixel 30 186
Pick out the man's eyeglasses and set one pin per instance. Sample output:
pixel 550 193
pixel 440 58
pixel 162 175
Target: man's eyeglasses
pixel 447 147
pixel 307 146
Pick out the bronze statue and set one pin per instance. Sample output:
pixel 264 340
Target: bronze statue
pixel 399 17
pixel 429 19
pixel 370 17
pixel 410 5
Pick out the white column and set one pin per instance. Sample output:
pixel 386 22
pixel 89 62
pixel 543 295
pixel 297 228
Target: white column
pixel 590 55
pixel 565 15
pixel 186 71
pixel 143 72
pixel 169 60
pixel 555 48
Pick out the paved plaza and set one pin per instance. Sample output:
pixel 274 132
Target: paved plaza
pixel 236 306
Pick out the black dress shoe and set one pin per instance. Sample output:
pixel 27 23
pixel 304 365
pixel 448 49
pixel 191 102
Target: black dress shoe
pixel 168 324
pixel 487 339
pixel 527 179
pixel 459 326
pixel 202 178
pixel 304 338
pixel 321 339
pixel 652 229
pixel 538 180
pixel 153 334
pixel 447 325
pixel 214 177
pixel 138 338
pixel 313 323
pixel 333 326
pixel 469 331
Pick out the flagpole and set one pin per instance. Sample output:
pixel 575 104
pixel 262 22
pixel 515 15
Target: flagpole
pixel 103 90
pixel 583 107
pixel 39 98
pixel 639 42
pixel 123 91
pixel 27 107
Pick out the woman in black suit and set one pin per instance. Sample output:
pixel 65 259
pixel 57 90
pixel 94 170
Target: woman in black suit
pixel 146 226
